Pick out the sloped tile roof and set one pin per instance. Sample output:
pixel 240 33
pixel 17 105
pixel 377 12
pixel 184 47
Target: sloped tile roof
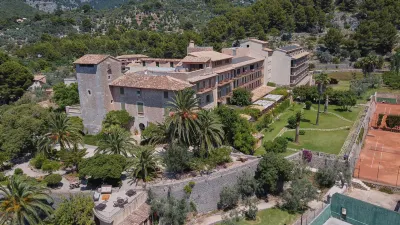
pixel 215 56
pixel 161 60
pixel 138 216
pixel 40 78
pixel 145 81
pixel 91 59
pixel 132 56
pixel 193 59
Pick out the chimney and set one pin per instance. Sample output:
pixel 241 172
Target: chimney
pixel 191 44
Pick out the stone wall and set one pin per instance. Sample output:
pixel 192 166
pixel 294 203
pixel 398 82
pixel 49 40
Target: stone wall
pixel 205 193
pixel 319 159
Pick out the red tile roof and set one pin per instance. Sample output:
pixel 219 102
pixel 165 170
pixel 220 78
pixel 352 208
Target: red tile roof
pixel 138 216
pixel 158 82
pixel 192 59
pixel 161 60
pixel 91 59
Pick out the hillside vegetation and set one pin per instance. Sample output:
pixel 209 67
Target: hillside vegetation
pixel 15 8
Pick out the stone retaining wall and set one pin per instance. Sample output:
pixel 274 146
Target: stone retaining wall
pixel 205 193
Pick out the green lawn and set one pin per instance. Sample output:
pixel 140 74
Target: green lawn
pixel 341 86
pixel 327 141
pixel 323 141
pixel 272 216
pixel 345 76
pixel 90 139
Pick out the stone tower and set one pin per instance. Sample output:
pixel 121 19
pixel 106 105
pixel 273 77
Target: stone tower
pixel 94 74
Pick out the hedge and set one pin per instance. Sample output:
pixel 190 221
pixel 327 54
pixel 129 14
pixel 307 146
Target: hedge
pixel 53 179
pixel 393 121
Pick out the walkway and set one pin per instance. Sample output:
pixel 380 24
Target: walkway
pixel 335 114
pixel 218 217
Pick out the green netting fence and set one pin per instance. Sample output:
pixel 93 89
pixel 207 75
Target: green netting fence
pixel 387 100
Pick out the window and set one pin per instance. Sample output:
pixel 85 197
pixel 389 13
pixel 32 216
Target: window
pixel 165 94
pixel 248 46
pixel 171 64
pixel 140 108
pixel 122 105
pixel 238 71
pixel 112 101
pixel 208 98
pixel 144 63
pixel 138 93
pixel 201 66
pixel 89 92
pixel 252 67
pixel 157 64
pixel 121 91
pixel 109 77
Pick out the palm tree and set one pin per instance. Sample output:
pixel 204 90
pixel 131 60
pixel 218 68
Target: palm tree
pixel 211 133
pixel 115 140
pixel 322 81
pixel 23 202
pixel 298 116
pixel 73 156
pixel 158 134
pixel 62 131
pixel 144 163
pixel 369 64
pixel 44 145
pixel 182 122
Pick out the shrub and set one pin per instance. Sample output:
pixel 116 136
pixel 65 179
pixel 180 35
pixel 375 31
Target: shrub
pixel 279 145
pixel 326 177
pixel 220 156
pixel 264 121
pixel 271 84
pixel 241 97
pixel 38 161
pixel 386 190
pixel 333 81
pixel 393 121
pixel 251 212
pixel 189 187
pixel 302 132
pixel 292 122
pixel 50 166
pixel 117 118
pixel 53 179
pixel 280 108
pixel 177 158
pixel 255 113
pixel 229 198
pixel 18 171
pixel 246 185
pixel 307 155
pixel 280 91
pixel 308 105
pixel 2 177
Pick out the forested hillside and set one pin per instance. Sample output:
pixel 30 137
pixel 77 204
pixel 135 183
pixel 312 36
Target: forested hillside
pixel 163 29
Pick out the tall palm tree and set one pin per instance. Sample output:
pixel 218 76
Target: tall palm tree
pixel 62 131
pixel 73 156
pixel 144 163
pixel 182 122
pixel 23 202
pixel 211 132
pixel 298 116
pixel 322 81
pixel 369 64
pixel 44 145
pixel 115 140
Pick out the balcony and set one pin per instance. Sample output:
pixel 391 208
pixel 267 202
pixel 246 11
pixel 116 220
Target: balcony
pixel 299 70
pixel 205 90
pixel 225 81
pixel 295 81
pixel 247 72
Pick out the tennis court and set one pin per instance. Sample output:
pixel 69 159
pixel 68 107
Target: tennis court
pixel 379 160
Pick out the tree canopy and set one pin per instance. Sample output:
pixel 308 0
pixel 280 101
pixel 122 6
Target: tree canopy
pixel 103 166
pixel 66 95
pixel 15 79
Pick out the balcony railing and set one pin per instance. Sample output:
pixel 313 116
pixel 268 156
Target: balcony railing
pixel 205 90
pixel 299 70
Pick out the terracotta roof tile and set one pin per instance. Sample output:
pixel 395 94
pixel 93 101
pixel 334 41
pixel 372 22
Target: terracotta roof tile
pixel 40 78
pixel 215 56
pixel 138 216
pixel 91 59
pixel 132 56
pixel 193 59
pixel 161 60
pixel 158 82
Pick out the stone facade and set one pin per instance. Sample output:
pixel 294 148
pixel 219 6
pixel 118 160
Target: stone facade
pixel 94 92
